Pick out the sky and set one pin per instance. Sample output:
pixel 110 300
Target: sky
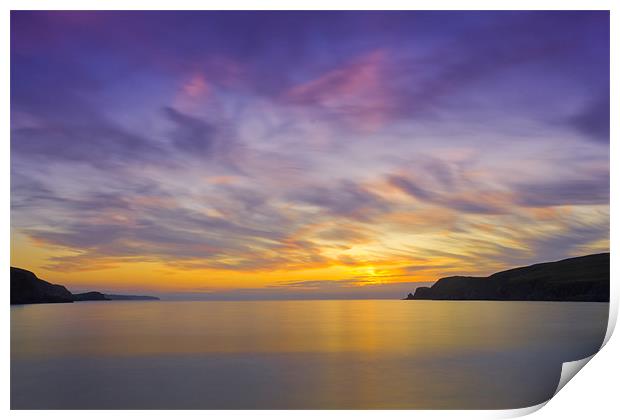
pixel 259 155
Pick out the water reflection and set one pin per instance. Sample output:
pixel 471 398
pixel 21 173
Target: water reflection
pixel 296 354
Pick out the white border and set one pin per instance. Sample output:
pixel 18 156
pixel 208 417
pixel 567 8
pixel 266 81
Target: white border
pixel 594 394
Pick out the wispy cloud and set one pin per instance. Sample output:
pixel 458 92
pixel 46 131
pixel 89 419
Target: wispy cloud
pixel 352 147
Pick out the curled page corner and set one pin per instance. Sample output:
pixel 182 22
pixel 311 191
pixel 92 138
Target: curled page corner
pixel 570 369
pixel 611 322
pixel 520 412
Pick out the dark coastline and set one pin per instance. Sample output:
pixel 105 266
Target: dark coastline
pixel 27 288
pixel 580 279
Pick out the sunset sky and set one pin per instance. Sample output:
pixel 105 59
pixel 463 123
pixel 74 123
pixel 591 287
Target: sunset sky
pixel 304 154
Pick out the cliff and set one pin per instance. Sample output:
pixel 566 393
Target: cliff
pixel 581 279
pixel 26 287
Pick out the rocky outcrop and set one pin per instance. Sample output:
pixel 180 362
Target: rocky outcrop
pixel 26 287
pixel 581 279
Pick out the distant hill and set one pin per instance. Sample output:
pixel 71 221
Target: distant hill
pixel 130 297
pixel 80 297
pixel 26 288
pixel 581 279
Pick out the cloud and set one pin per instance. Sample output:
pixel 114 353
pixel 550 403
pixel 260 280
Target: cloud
pixel 104 228
pixel 575 238
pixel 565 192
pixel 345 233
pixel 476 202
pixel 483 246
pixel 318 284
pixel 356 92
pixel 97 143
pixel 191 135
pixel 347 199
pixel 593 120
pixel 471 195
pixel 351 85
pixel 310 139
pixel 195 87
pixel 311 289
pixel 410 187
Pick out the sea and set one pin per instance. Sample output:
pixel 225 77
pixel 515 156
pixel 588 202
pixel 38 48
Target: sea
pixel 298 354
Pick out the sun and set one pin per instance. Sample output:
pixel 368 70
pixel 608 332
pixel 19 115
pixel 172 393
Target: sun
pixel 371 271
pixel 367 275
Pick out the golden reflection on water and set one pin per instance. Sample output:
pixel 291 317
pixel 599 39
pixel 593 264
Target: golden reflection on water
pixel 296 354
pixel 371 326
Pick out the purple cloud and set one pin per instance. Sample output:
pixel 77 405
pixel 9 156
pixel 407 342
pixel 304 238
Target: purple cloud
pixel 265 140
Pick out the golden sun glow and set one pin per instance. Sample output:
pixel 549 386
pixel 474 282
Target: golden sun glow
pixel 338 170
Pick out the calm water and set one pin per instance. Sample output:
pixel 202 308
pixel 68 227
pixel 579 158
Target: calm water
pixel 296 354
